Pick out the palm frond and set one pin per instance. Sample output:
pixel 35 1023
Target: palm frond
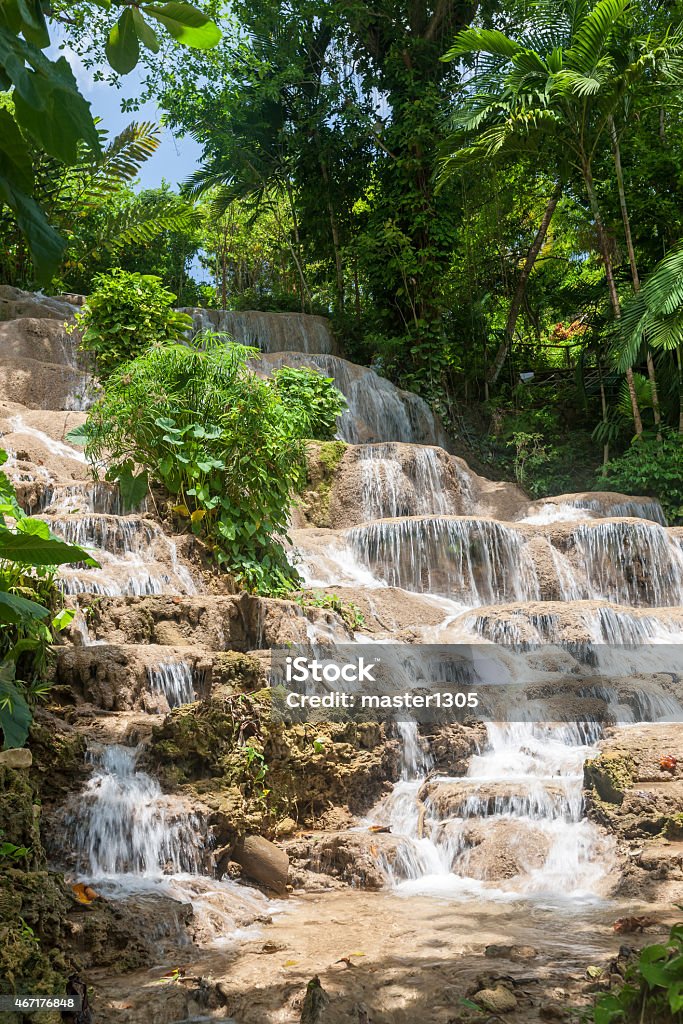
pixel 473 41
pixel 592 32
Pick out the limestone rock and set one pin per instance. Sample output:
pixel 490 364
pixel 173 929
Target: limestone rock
pixel 16 758
pixel 497 1000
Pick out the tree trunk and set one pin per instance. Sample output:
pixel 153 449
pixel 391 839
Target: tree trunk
pixel 605 418
pixel 334 229
pixel 520 290
pixel 634 266
pixel 611 284
pixel 679 359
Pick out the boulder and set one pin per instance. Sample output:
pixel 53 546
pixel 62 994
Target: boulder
pixel 263 862
pixel 16 758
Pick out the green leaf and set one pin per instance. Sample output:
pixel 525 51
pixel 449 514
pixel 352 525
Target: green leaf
pixel 145 32
pixel 15 714
pixel 30 550
pixel 16 610
pixel 45 244
pixel 47 102
pixel 133 488
pixel 123 47
pixel 79 435
pixel 186 24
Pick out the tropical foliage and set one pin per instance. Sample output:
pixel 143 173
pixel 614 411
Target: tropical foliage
pixel 126 314
pixel 31 612
pixel 225 445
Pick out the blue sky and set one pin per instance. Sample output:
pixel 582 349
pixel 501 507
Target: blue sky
pixel 175 159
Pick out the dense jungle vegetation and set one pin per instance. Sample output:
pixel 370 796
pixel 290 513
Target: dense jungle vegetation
pixel 485 198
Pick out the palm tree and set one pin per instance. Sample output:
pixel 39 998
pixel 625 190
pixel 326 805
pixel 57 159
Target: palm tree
pixel 560 85
pixel 655 316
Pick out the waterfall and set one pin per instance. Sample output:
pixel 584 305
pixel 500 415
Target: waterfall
pixel 420 485
pixel 269 332
pixel 124 825
pixel 137 558
pixel 377 409
pixel 630 562
pixel 175 679
pixel 475 561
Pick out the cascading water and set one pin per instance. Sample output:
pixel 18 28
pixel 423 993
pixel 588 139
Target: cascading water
pixel 475 561
pixel 175 679
pixel 514 824
pixel 391 488
pixel 124 825
pixel 630 562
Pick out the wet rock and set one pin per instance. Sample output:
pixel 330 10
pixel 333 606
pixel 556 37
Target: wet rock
pixel 58 756
pixel 497 1000
pixel 630 792
pixel 467 800
pixel 500 850
pixel 519 953
pixel 610 774
pixel 263 862
pixel 16 758
pixel 357 858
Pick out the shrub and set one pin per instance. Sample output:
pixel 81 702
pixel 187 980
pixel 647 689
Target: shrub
pixel 125 315
pixel 653 468
pixel 312 402
pixel 218 438
pixel 652 989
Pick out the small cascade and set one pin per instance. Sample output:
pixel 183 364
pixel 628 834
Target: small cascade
pixel 95 497
pixel 175 680
pixel 474 561
pixel 64 451
pixel 124 825
pixel 137 558
pixel 513 826
pixel 377 409
pixel 630 562
pixel 391 488
pixel 633 508
pixel 269 332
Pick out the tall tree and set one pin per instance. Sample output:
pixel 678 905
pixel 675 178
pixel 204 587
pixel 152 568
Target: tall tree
pixel 562 80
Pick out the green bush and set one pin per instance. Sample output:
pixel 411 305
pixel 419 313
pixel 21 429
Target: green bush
pixel 125 315
pixel 653 468
pixel 312 402
pixel 219 440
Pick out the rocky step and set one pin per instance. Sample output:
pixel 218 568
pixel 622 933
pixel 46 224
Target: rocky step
pixel 471 798
pixel 150 677
pixel 89 497
pixel 241 622
pixel 35 440
pixel 17 304
pixel 43 385
pixel 45 340
pixel 570 622
pixel 480 561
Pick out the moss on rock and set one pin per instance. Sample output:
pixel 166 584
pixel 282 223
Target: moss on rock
pixel 609 775
pixel 323 459
pixel 253 772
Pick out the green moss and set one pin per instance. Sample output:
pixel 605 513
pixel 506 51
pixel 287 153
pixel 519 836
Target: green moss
pixel 323 458
pixel 330 454
pixel 237 671
pixel 609 775
pixel 253 771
